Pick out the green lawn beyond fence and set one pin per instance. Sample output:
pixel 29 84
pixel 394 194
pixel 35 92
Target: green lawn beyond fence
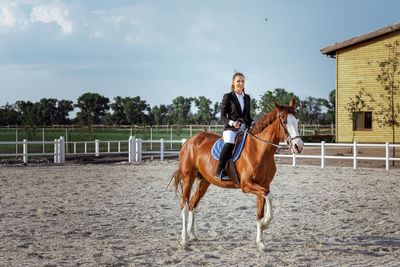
pixel 100 133
pixel 104 133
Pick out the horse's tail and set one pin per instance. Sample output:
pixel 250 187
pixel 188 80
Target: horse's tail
pixel 177 180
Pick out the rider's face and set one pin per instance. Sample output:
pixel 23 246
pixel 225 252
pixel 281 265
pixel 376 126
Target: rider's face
pixel 238 83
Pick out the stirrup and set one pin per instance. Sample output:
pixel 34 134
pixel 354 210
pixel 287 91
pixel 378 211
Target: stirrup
pixel 222 176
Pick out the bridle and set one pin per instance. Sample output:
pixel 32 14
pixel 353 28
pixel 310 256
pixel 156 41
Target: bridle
pixel 288 139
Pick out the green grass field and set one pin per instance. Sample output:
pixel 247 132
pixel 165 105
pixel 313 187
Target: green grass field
pixel 102 134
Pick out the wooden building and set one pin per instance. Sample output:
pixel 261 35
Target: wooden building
pixel 357 68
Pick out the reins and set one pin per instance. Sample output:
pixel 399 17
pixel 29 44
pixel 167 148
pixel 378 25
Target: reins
pixel 258 138
pixel 280 147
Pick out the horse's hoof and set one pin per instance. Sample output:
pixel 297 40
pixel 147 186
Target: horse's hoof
pixel 193 238
pixel 185 243
pixel 261 246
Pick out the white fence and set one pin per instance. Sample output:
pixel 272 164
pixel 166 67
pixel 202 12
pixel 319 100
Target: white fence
pixel 355 157
pixel 135 150
pixel 58 152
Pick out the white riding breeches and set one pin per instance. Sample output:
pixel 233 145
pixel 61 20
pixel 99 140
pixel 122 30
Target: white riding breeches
pixel 229 136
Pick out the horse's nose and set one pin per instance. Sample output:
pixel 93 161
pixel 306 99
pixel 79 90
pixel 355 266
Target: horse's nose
pixel 300 147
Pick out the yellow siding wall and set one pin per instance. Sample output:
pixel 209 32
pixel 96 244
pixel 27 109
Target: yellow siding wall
pixel 360 63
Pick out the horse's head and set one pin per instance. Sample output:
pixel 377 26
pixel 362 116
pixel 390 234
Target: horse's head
pixel 288 126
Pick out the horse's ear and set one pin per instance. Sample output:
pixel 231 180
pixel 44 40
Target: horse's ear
pixel 277 106
pixel 292 102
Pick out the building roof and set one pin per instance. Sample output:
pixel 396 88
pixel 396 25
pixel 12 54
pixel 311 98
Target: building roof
pixel 330 51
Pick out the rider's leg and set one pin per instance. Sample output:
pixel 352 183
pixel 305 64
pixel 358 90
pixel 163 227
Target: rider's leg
pixel 225 155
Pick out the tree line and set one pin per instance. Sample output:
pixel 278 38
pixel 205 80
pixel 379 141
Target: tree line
pixel 97 109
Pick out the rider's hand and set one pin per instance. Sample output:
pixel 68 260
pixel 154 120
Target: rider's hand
pixel 236 124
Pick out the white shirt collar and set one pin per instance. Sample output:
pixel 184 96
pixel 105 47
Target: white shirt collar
pixel 241 95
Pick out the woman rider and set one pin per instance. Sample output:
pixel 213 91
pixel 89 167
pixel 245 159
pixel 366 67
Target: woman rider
pixel 235 113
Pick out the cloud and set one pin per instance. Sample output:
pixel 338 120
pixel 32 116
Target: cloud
pixel 52 13
pixel 135 24
pixel 96 34
pixel 11 16
pixel 202 34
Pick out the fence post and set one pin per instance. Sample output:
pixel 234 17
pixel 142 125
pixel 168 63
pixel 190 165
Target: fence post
pixel 387 156
pixel 322 154
pixel 162 149
pixel 66 140
pixel 16 140
pixel 294 160
pixel 355 151
pixel 138 149
pixel 151 138
pixel 332 132
pixel 171 138
pixel 25 151
pixel 56 151
pixel 97 147
pixel 108 147
pixel 131 148
pixel 62 150
pixel 74 147
pixel 43 139
pixel 191 130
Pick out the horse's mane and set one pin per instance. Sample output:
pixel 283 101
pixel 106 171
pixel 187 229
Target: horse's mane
pixel 264 122
pixel 269 118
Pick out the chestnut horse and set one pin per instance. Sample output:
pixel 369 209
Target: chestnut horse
pixel 255 167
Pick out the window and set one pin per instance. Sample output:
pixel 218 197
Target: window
pixel 363 120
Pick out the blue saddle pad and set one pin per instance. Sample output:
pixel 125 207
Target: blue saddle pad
pixel 218 145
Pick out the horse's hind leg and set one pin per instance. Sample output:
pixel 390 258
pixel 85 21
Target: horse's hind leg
pixel 202 186
pixel 187 182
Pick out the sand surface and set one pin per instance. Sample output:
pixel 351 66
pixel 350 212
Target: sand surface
pixel 122 215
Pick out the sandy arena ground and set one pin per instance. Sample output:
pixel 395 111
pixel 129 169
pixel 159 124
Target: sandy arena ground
pixel 122 215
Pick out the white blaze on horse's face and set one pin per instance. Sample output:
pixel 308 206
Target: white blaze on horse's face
pixel 292 127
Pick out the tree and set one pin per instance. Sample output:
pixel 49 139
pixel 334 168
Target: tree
pixel 160 114
pixel 356 106
pixel 217 111
pixel 128 110
pixel 388 112
pixel 204 113
pixel 279 95
pixel 134 109
pixel 93 108
pixel 118 116
pixel 52 111
pixel 8 115
pixel 331 106
pixel 253 108
pixel 180 112
pixel 28 117
pixel 64 107
pixel 311 110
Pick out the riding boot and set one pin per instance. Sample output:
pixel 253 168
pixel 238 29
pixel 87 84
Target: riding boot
pixel 226 154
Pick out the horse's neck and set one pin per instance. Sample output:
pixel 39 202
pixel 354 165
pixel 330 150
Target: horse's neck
pixel 269 134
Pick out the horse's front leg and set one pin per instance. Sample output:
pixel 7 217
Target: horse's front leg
pixel 263 220
pixel 269 214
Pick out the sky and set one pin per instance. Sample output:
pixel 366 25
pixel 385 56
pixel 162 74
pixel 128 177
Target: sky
pixel 162 49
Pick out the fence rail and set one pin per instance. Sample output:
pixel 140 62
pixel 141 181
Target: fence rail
pixel 135 150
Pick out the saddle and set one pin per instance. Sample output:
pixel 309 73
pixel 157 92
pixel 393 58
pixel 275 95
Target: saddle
pixel 239 144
